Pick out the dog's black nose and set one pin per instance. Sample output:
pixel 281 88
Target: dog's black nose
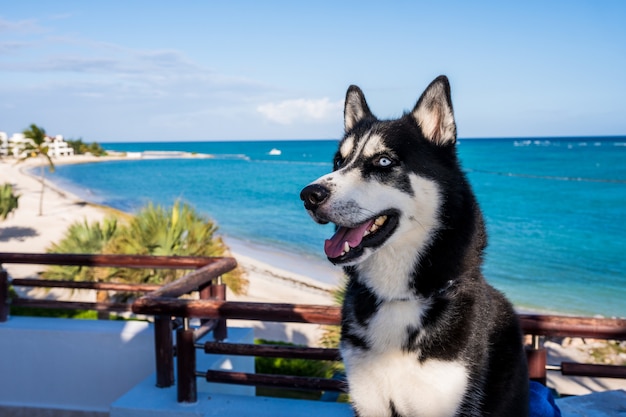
pixel 313 196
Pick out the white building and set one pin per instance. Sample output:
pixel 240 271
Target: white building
pixel 4 144
pixel 15 145
pixel 58 147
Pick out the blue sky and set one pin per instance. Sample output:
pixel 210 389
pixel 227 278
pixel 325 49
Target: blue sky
pixel 208 70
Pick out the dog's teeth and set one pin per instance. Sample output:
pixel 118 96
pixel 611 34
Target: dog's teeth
pixel 380 221
pixel 373 228
pixel 346 247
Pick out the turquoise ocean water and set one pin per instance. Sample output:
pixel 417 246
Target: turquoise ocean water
pixel 555 207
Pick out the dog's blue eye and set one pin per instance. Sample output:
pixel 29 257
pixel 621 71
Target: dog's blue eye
pixel 384 161
pixel 338 163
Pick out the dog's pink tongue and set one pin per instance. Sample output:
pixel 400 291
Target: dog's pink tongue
pixel 334 246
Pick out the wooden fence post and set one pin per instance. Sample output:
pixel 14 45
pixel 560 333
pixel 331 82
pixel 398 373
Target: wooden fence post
pixel 164 351
pixel 215 292
pixel 186 364
pixel 4 295
pixel 537 357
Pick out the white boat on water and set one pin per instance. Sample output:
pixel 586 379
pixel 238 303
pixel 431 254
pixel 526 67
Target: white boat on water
pixel 275 152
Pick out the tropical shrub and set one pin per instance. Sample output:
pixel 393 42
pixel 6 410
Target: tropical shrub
pixel 82 237
pixel 177 231
pixel 8 200
pixel 155 230
pixel 81 147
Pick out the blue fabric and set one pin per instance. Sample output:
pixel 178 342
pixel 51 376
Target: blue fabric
pixel 542 401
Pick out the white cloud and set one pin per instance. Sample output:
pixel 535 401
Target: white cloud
pixel 28 26
pixel 123 92
pixel 301 110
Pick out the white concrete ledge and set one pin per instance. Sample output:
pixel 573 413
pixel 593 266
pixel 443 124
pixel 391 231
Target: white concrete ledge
pixel 50 363
pixel 147 401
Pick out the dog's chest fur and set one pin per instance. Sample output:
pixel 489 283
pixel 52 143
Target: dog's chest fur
pixel 381 349
pixel 383 331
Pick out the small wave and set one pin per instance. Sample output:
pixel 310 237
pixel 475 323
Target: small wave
pixel 235 156
pixel 528 142
pixel 548 177
pixel 307 163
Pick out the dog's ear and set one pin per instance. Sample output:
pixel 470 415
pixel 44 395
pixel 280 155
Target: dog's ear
pixel 433 112
pixel 355 108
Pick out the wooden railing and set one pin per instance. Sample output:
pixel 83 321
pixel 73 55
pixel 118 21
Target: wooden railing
pixel 538 326
pixel 212 308
pixel 204 280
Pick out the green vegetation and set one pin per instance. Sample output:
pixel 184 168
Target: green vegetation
pixel 38 149
pixel 49 312
pixel 54 312
pixel 609 352
pixel 332 334
pixel 81 147
pixel 175 231
pixel 8 200
pixel 294 367
pixel 82 237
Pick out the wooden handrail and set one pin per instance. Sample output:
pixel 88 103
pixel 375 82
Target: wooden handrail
pixel 117 261
pixel 72 305
pixel 95 260
pixel 565 326
pixel 283 381
pixel 272 351
pixel 86 285
pixel 592 370
pixel 295 313
pixel 195 280
pixel 545 325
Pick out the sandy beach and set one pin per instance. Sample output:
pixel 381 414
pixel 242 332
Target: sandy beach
pixel 25 231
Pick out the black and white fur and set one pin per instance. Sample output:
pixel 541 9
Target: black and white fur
pixel 423 334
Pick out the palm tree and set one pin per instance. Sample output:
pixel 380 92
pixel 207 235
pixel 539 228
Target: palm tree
pixel 34 148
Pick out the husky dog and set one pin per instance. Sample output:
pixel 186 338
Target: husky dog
pixel 422 333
